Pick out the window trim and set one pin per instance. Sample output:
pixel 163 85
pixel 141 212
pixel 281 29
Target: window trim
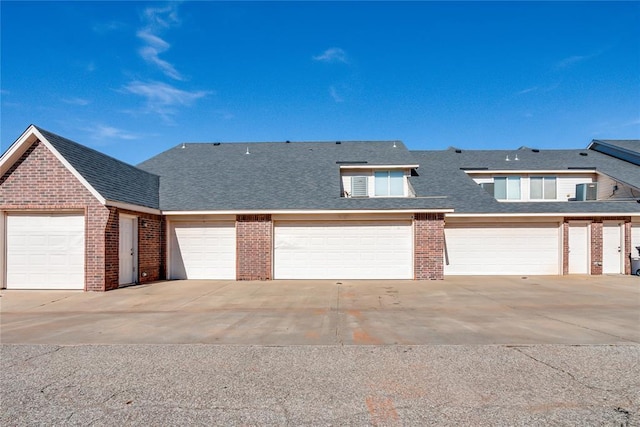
pixel 388 183
pixel 506 179
pixel 542 179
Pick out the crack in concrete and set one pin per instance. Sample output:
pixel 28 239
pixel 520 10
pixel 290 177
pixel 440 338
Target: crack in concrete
pixel 567 373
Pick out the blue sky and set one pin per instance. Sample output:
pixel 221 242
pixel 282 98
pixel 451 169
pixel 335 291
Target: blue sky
pixel 132 79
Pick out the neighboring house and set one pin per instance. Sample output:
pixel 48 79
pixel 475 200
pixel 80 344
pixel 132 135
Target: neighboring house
pixel 71 217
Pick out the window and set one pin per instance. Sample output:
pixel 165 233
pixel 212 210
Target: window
pixel 389 183
pixel 359 186
pixel 542 188
pixel 507 187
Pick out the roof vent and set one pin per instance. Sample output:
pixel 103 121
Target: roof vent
pixel 458 150
pixel 394 145
pixel 584 154
pixel 288 142
pixel 216 143
pixel 247 150
pixel 338 142
pixel 183 146
pixel 535 150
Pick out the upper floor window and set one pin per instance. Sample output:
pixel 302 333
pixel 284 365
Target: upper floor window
pixel 542 188
pixel 507 188
pixel 389 183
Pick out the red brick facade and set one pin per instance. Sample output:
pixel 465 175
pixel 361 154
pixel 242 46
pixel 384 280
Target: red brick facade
pixel 429 246
pixel 39 183
pixel 254 236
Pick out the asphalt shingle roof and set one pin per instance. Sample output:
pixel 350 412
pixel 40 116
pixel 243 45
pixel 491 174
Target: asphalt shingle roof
pixel 443 172
pixel 274 176
pixel 112 178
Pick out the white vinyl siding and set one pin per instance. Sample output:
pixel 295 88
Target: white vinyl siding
pixel 45 252
pixel 497 249
pixel 203 250
pixel 343 250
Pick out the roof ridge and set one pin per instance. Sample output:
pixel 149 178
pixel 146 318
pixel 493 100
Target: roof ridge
pixel 84 147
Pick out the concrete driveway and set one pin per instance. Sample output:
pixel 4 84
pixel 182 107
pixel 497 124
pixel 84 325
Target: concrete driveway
pixel 457 310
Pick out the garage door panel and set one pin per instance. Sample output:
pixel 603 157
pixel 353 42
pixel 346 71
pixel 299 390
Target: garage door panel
pixel 45 251
pixel 502 249
pixel 203 251
pixel 347 250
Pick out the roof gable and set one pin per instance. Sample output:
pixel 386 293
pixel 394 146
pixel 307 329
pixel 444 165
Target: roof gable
pixel 109 180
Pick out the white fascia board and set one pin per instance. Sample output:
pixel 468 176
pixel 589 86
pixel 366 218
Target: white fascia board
pixel 131 207
pixel 558 214
pixel 17 149
pixel 528 171
pixel 300 212
pixel 379 166
pixel 31 135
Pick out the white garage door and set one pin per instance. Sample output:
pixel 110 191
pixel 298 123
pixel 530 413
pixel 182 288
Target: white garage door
pixel 203 250
pixel 502 249
pixel 45 252
pixel 343 250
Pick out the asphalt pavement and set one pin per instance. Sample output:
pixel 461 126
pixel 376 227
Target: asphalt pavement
pixel 489 351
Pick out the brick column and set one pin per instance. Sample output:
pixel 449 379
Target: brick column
pixel 428 258
pixel 627 248
pixel 565 248
pixel 596 247
pixel 254 243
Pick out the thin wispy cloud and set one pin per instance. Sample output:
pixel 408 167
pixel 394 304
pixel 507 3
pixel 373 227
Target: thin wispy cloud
pixel 540 89
pixel 332 55
pixel 157 19
pixel 335 95
pixel 162 98
pixel 103 133
pixel 575 59
pixel 76 101
pixel 151 54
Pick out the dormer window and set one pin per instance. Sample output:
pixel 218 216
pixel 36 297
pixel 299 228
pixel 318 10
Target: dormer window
pixel 367 181
pixel 389 183
pixel 507 187
pixel 542 188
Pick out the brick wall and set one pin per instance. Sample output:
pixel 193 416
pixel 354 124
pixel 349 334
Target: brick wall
pixel 429 246
pixel 38 182
pixel 253 247
pixel 151 248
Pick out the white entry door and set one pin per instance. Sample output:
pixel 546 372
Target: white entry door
pixel 612 249
pixel 127 250
pixel 45 251
pixel 578 248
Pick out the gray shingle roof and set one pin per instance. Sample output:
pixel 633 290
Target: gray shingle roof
pixel 114 180
pixel 625 144
pixel 623 149
pixel 442 172
pixel 274 176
